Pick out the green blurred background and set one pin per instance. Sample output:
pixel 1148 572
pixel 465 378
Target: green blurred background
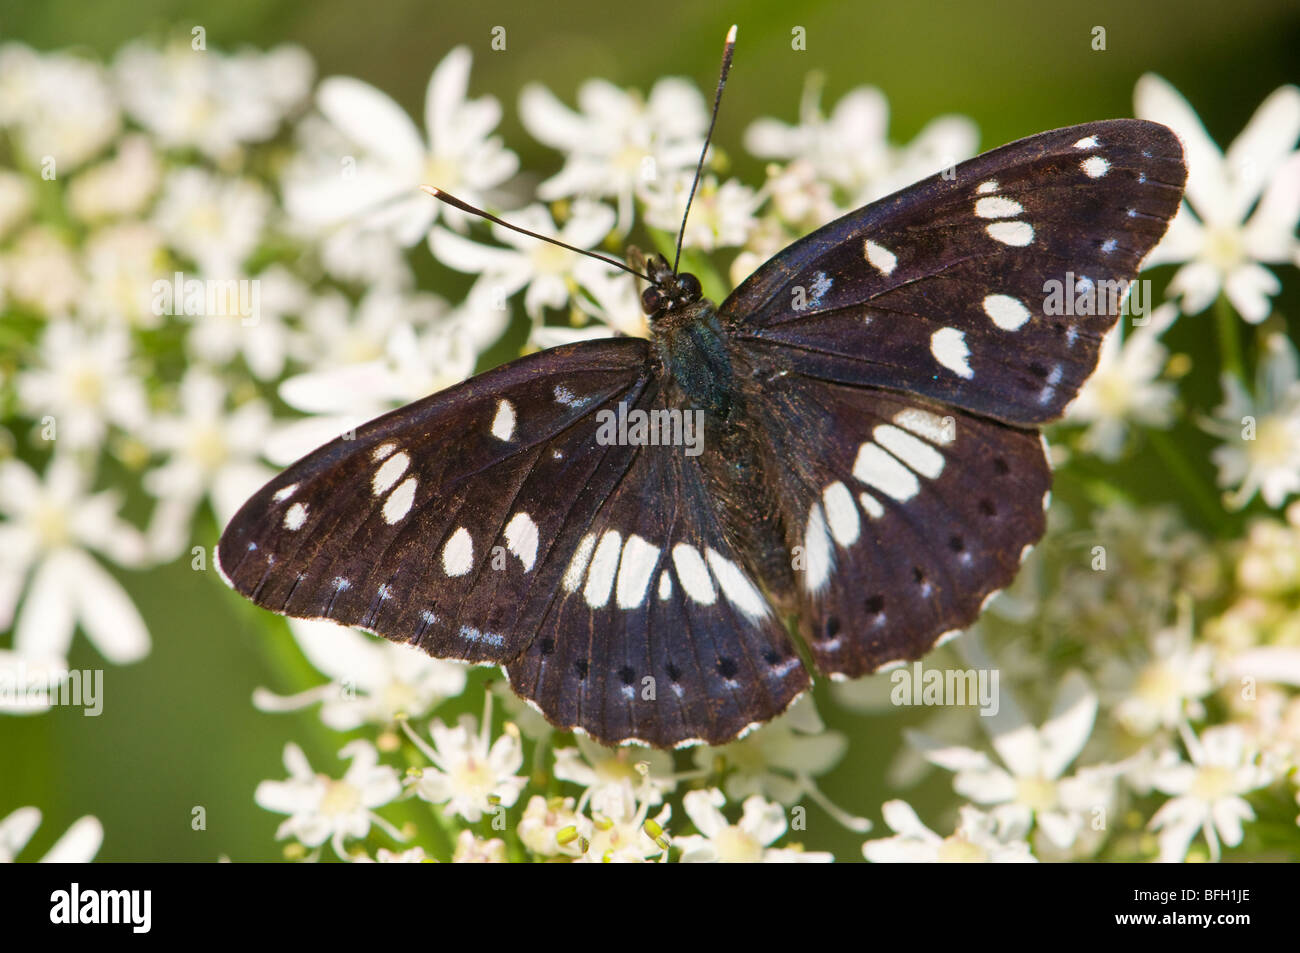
pixel 178 729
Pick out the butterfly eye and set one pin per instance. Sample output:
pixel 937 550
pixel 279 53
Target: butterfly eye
pixel 652 299
pixel 688 288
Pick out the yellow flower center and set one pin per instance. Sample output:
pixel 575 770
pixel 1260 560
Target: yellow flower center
pixel 1274 443
pixel 957 850
pixel 441 174
pixel 51 524
pixel 86 385
pixel 551 259
pixel 1212 783
pixel 340 798
pixel 1223 247
pixel 1157 684
pixel 208 448
pixel 1037 793
pixel 473 776
pixel 734 846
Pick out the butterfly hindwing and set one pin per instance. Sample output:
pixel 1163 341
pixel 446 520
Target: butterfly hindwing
pixel 942 289
pixel 657 632
pixel 906 516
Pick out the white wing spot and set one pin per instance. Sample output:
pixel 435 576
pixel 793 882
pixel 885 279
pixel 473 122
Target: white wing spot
pixel 578 564
pixel 521 539
pixel 295 516
pixel 917 454
pixel 1016 234
pixel 1007 312
pixel 285 492
pixel 1109 245
pixel 381 451
pixel 389 473
pixel 600 577
pixel 503 425
pixel 399 501
pixel 821 284
pixel 693 574
pixel 740 592
pixel 948 345
pixel 635 570
pixel 984 188
pixel 997 207
pixel 1088 142
pixel 458 554
pixel 816 551
pixel 880 257
pixel 841 514
pixel 665 586
pixel 878 469
pixel 936 429
pixel 1095 166
pixel 872 505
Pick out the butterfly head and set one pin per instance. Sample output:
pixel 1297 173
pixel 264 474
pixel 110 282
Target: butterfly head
pixel 668 292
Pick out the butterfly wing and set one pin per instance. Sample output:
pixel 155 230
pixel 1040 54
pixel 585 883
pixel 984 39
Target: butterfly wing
pixel 905 515
pixel 490 523
pixel 942 289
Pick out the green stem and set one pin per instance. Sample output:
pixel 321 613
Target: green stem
pixel 1228 325
pixel 1202 497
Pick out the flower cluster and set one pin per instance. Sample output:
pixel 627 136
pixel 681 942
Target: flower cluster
pixel 207 268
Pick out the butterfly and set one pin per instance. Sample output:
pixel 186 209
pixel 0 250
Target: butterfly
pixel 850 464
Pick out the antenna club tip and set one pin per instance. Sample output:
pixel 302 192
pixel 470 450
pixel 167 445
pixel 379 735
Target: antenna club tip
pixel 430 190
pixel 731 34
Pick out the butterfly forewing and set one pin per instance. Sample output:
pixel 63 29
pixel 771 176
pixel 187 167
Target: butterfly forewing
pixel 945 289
pixel 444 523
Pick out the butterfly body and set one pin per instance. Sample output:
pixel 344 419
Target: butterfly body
pixel 870 463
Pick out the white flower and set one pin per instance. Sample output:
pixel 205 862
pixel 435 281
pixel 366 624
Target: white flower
pixel 59 106
pixel 609 296
pixel 16 201
pixel 122 262
pixel 471 774
pixel 117 187
pixel 41 271
pixel 620 831
pixel 618 141
pixel 246 322
pixel 1261 434
pixel 373 680
pixel 471 849
pixel 1124 388
pixel 748 841
pixel 1166 688
pixel 79 844
pixel 211 219
pixel 721 215
pixel 553 828
pixel 393 349
pixel 850 149
pixel 590 765
pixel 209 100
pixel 322 808
pixel 980 838
pixel 1221 248
pixel 379 187
pixel 545 269
pixel 210 452
pixel 1207 792
pixel 780 760
pixel 48 529
pixel 86 383
pixel 1030 787
pixel 29 685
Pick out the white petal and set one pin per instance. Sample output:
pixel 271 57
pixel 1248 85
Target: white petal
pixel 106 612
pixel 371 119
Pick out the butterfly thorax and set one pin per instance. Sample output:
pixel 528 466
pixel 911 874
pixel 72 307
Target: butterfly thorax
pixel 699 372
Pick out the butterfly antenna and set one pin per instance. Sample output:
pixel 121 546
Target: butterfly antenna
pixel 728 48
pixel 463 206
